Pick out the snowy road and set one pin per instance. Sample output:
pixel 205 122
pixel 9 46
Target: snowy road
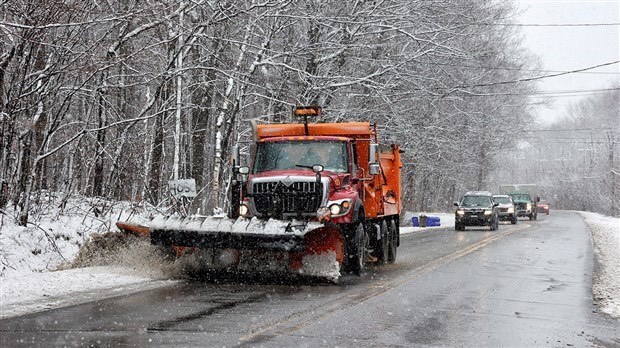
pixel 524 285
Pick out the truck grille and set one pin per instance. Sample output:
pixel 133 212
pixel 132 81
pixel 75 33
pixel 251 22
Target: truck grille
pixel 274 199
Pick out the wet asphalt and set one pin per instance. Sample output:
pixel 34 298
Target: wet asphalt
pixel 524 285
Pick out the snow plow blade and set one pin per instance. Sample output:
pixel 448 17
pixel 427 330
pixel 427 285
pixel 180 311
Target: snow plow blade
pixel 301 247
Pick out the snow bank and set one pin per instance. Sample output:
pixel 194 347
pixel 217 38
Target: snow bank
pixel 57 231
pixel 605 232
pixel 35 260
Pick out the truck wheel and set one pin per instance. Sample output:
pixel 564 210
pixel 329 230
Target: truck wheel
pixel 393 234
pixel 383 245
pixel 355 249
pixel 531 217
pixel 514 220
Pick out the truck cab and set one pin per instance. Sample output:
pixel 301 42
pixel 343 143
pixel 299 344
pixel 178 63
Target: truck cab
pixel 305 177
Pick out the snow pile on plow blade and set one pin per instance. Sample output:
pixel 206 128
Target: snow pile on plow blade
pixel 298 247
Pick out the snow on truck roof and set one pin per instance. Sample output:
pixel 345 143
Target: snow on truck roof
pixel 349 130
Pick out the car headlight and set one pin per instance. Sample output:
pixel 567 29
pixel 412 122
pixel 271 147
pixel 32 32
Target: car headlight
pixel 488 212
pixel 460 212
pixel 511 210
pixel 529 206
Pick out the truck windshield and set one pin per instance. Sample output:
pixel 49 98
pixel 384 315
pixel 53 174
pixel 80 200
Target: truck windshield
pixel 521 197
pixel 332 155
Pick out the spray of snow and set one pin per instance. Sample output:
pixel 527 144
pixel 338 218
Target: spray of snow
pixel 324 265
pixel 119 249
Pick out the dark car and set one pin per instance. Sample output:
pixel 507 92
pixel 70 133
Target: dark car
pixel 543 207
pixel 506 208
pixel 476 208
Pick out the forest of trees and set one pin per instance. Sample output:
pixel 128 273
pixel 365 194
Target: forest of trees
pixel 575 161
pixel 113 99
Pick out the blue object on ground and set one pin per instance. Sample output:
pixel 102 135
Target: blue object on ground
pixel 433 221
pixel 414 222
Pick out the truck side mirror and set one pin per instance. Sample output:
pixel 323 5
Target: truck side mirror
pixel 372 155
pixel 374 169
pixel 537 199
pixel 243 173
pixel 373 166
pixel 456 204
pixel 234 154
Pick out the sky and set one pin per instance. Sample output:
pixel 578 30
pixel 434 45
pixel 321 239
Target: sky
pixel 567 48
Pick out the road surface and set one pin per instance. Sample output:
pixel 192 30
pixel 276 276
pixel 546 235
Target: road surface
pixel 524 285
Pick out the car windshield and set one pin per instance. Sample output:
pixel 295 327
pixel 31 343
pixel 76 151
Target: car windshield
pixel 289 154
pixel 476 201
pixel 502 200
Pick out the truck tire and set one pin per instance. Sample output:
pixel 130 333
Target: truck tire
pixel 383 245
pixel 355 249
pixel 513 220
pixel 393 238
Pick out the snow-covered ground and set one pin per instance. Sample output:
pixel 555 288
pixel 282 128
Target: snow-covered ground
pixel 42 266
pixel 605 232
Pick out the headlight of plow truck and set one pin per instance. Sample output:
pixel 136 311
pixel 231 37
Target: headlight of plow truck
pixel 244 210
pixel 340 207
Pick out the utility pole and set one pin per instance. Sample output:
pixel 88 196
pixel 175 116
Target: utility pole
pixel 615 202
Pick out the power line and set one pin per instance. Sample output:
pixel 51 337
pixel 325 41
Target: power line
pixel 548 24
pixel 529 79
pixel 519 69
pixel 566 130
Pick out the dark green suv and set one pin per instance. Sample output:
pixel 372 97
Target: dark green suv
pixel 476 208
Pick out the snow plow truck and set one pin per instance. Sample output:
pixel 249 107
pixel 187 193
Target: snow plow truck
pixel 318 199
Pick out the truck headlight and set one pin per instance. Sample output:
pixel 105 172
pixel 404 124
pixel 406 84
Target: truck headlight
pixel 488 212
pixel 339 207
pixel 529 206
pixel 244 210
pixel 460 212
pixel 511 210
pixel 335 209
